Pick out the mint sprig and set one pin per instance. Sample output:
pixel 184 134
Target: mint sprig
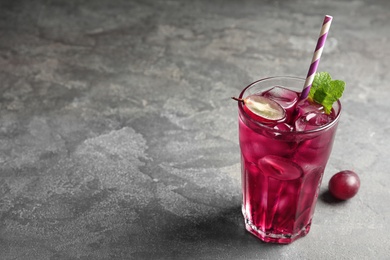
pixel 326 91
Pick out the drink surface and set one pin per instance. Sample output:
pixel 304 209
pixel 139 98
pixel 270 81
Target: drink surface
pixel 301 115
pixel 282 167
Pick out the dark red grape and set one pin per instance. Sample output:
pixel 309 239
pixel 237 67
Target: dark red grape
pixel 344 185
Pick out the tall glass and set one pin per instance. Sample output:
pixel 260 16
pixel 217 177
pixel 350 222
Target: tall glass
pixel 281 170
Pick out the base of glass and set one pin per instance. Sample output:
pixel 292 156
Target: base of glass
pixel 275 238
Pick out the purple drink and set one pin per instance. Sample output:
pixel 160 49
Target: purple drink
pixel 283 161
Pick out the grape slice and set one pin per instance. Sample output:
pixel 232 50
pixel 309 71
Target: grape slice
pixel 279 168
pixel 263 109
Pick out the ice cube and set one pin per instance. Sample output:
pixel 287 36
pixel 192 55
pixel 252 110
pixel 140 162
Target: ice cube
pixel 285 97
pixel 314 152
pixel 254 145
pixel 305 106
pixel 282 202
pixel 283 127
pixel 312 120
pixel 279 168
pixel 308 197
pixel 251 169
pixel 310 189
pixel 254 186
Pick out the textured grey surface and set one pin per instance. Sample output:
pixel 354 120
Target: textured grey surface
pixel 118 139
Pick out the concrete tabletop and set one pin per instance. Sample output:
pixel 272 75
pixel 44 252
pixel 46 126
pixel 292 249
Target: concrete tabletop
pixel 118 138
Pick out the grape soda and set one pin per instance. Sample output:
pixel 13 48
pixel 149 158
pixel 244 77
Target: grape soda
pixel 283 161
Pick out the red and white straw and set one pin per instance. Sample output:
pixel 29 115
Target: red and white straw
pixel 316 56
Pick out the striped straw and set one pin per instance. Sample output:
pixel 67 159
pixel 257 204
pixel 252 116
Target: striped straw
pixel 316 57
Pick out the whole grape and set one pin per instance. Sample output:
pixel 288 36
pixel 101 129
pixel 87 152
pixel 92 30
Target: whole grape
pixel 344 184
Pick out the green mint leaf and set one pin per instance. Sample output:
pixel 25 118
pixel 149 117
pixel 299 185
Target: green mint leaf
pixel 336 88
pixel 326 91
pixel 322 78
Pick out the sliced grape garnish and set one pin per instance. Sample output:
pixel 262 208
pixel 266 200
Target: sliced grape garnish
pixel 262 109
pixel 279 168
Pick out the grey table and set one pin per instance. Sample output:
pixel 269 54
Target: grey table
pixel 118 138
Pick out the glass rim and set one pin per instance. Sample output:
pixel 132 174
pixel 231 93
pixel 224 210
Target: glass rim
pixel 268 128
